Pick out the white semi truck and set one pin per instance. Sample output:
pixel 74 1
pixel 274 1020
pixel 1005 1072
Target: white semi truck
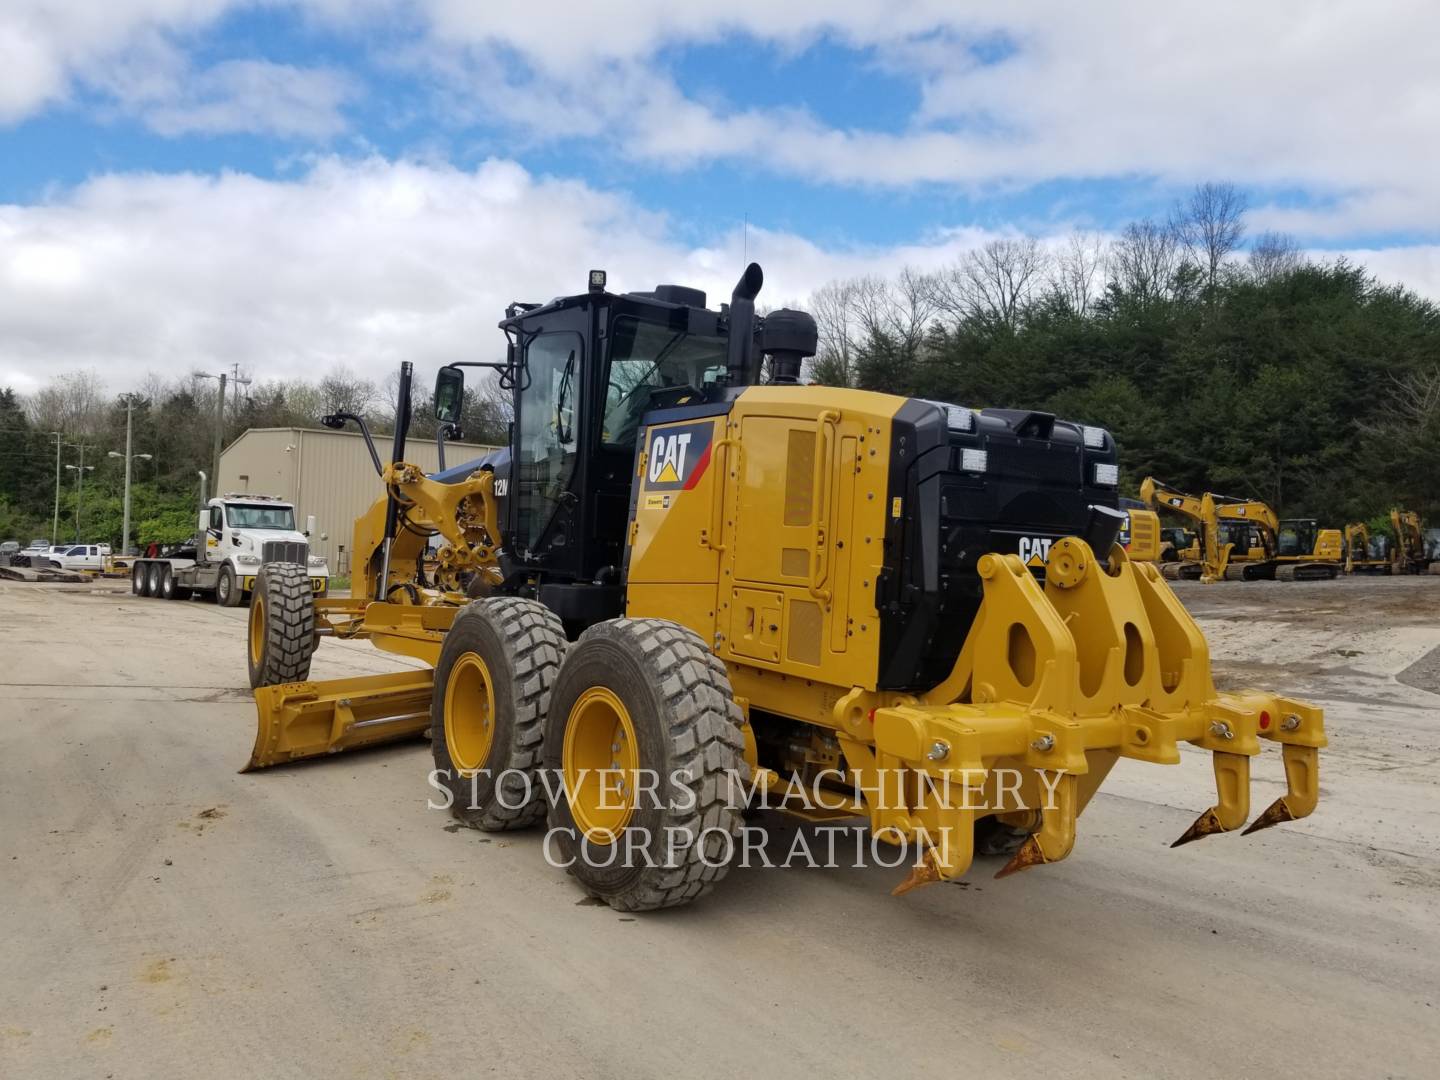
pixel 236 534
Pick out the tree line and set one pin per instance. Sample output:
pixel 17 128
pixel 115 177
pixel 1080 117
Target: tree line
pixel 173 421
pixel 1244 369
pixel 1220 362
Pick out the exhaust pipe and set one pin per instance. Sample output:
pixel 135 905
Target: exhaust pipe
pixel 741 361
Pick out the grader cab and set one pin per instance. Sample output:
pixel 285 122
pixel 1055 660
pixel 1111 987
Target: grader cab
pixel 691 583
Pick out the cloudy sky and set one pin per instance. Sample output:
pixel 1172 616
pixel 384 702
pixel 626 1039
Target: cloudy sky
pixel 294 184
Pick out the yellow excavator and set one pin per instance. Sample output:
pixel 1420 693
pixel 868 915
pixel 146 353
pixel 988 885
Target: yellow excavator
pixel 1364 553
pixel 1409 555
pixel 1228 533
pixel 1306 552
pixel 1243 539
pixel 691 584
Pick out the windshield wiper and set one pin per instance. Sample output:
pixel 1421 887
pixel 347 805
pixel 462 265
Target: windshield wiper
pixel 561 431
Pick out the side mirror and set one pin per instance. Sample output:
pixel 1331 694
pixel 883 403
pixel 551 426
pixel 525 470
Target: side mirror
pixel 204 522
pixel 310 525
pixel 449 394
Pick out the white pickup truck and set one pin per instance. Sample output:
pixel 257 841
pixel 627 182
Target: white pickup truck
pixel 236 534
pixel 78 557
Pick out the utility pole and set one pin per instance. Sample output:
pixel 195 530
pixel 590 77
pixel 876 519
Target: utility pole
pixel 80 471
pixel 55 521
pixel 219 421
pixel 219 424
pixel 128 456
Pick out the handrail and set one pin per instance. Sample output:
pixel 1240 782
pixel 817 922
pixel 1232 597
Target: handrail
pixel 820 506
pixel 719 462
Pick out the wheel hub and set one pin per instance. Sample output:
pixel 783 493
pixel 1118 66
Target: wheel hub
pixel 469 713
pixel 257 630
pixel 601 761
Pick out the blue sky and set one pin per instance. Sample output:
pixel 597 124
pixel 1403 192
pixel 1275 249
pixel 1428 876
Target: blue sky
pixel 158 139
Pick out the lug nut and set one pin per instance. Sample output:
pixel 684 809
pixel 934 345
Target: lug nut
pixel 939 750
pixel 1045 743
pixel 1290 723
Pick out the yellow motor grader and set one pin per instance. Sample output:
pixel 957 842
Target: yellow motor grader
pixel 691 583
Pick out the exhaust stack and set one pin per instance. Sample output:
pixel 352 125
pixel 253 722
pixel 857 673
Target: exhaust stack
pixel 741 360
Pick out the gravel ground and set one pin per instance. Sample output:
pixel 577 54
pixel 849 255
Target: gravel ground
pixel 161 914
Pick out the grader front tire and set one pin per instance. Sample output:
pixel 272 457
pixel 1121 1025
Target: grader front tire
pixel 640 700
pixel 487 715
pixel 282 626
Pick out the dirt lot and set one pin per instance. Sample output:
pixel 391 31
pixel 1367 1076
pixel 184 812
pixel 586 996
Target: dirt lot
pixel 161 915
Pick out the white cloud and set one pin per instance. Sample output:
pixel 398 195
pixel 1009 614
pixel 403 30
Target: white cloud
pixel 367 263
pixel 363 263
pixel 254 96
pixel 45 45
pixel 1338 100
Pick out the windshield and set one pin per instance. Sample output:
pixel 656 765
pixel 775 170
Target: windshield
pixel 260 517
pixel 1297 538
pixel 647 359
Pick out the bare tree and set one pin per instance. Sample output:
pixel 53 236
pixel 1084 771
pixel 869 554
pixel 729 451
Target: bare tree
pixel 1210 225
pixel 1144 259
pixel 1411 405
pixel 73 403
pixel 900 310
pixel 343 391
pixel 1078 271
pixel 993 282
pixel 1273 255
pixel 833 306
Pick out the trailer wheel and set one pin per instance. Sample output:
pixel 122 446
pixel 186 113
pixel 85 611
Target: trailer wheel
pixel 139 581
pixel 227 590
pixel 282 626
pixel 645 734
pixel 152 579
pixel 487 715
pixel 169 590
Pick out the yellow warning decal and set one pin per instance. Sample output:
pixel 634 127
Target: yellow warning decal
pixel 895 507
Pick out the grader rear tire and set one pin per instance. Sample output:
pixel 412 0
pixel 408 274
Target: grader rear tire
pixel 282 626
pixel 642 700
pixel 487 714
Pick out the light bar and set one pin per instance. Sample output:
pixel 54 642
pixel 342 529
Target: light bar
pixel 974 460
pixel 959 418
pixel 1107 475
pixel 1094 437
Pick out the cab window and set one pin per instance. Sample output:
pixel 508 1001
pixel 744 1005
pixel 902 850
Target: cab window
pixel 546 432
pixel 650 362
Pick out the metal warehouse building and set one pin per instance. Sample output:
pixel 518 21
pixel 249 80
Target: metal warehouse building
pixel 325 473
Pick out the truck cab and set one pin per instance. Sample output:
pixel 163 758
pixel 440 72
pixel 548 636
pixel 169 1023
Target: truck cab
pixel 240 531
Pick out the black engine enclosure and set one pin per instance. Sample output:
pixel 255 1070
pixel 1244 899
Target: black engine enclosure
pixel 1038 485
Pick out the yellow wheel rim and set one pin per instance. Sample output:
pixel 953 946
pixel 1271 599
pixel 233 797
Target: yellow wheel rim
pixel 601 763
pixel 257 630
pixel 469 713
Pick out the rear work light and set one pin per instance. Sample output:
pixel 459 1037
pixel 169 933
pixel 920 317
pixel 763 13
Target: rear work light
pixel 974 460
pixel 1107 475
